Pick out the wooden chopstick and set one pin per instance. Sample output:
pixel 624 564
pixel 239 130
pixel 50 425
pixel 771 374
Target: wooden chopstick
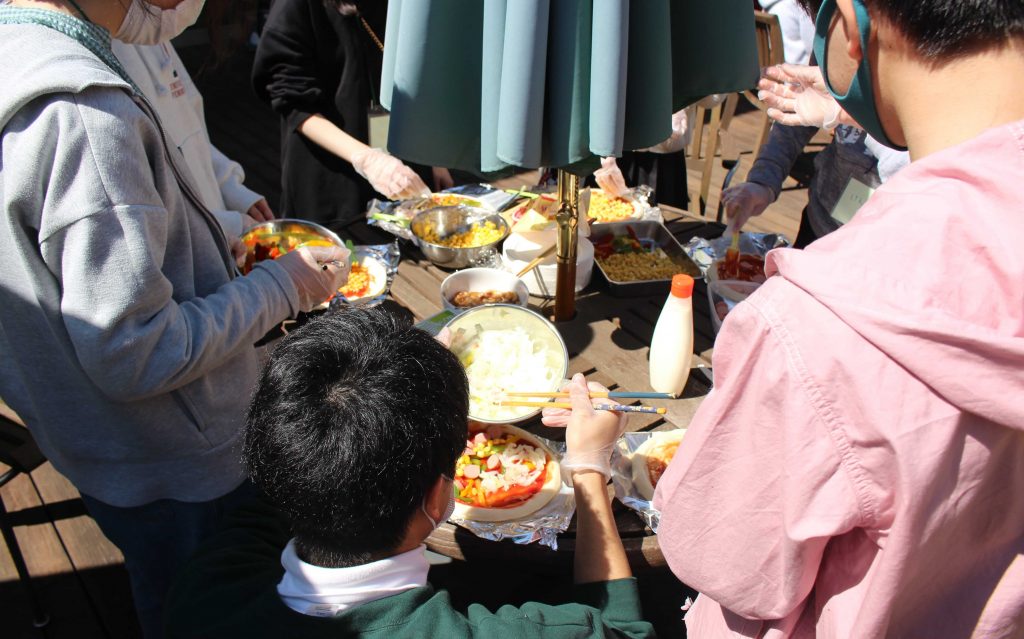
pixel 616 407
pixel 535 261
pixel 593 394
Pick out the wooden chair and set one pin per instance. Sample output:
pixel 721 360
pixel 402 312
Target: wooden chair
pixel 704 149
pixel 770 51
pixel 19 452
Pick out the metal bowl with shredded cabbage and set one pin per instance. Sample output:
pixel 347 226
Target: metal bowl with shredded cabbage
pixel 507 348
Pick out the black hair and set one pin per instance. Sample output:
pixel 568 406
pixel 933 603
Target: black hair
pixel 811 7
pixel 355 417
pixel 947 29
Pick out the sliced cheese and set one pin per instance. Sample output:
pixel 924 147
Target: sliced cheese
pixel 543 459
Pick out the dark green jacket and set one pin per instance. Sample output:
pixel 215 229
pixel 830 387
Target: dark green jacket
pixel 229 589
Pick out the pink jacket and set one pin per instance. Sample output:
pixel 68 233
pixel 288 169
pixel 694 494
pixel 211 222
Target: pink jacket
pixel 858 470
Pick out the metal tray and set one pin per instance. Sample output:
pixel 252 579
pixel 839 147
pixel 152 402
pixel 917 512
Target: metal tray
pixel 663 239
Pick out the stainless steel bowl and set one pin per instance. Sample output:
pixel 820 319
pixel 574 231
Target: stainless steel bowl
pixel 446 220
pixel 273 232
pixel 467 329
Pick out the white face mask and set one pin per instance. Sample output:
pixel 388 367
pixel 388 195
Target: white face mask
pixel 148 24
pixel 447 511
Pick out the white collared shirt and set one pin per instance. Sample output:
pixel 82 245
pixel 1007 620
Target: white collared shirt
pixel 326 592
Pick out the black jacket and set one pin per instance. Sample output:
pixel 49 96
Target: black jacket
pixel 311 59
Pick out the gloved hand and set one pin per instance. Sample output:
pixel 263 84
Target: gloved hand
pixel 317 272
pixel 590 435
pixel 677 141
pixel 744 201
pixel 797 96
pixel 388 175
pixel 610 179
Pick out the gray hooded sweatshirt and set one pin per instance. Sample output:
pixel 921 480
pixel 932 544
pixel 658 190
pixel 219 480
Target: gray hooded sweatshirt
pixel 126 341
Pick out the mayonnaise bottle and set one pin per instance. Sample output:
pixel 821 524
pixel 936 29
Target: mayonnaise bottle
pixel 672 345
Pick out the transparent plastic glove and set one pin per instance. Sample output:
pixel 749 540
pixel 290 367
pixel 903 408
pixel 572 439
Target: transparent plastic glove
pixel 797 96
pixel 388 175
pixel 744 201
pixel 590 435
pixel 610 179
pixel 317 272
pixel 676 141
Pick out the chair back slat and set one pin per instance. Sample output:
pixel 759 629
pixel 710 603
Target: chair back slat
pixel 770 51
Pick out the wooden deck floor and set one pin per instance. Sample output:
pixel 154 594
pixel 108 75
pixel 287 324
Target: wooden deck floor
pixel 77 572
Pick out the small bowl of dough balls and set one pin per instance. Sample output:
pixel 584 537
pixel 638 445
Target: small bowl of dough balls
pixel 478 286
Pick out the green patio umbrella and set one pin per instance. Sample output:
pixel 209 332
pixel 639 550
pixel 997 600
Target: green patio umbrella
pixel 485 85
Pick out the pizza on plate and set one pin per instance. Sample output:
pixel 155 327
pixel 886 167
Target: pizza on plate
pixel 651 459
pixel 367 278
pixel 504 473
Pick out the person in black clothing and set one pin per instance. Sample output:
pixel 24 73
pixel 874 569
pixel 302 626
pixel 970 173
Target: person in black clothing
pixel 662 167
pixel 318 64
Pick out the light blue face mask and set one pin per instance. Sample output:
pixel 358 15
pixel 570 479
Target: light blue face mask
pixel 859 100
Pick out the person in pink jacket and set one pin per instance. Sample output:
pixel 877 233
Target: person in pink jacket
pixel 858 469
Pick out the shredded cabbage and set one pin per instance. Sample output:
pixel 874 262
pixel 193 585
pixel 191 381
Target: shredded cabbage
pixel 504 360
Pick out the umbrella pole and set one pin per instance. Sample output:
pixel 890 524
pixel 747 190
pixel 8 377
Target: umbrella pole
pixel 568 240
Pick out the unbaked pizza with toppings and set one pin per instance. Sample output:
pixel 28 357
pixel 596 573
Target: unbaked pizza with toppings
pixel 368 277
pixel 503 473
pixel 651 460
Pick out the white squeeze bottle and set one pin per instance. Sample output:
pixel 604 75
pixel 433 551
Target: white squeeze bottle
pixel 672 345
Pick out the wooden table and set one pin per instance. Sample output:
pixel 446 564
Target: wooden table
pixel 608 341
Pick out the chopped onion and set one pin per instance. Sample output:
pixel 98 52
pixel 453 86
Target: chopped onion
pixel 500 361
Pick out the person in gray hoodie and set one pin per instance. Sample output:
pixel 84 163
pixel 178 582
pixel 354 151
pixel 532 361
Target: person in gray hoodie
pixel 126 334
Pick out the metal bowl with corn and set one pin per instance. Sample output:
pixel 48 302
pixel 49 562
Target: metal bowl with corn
pixel 454 236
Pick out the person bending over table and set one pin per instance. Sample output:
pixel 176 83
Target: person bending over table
pixel 318 65
pixel 851 157
pixel 127 335
pixel 662 166
pixel 857 470
pixel 352 436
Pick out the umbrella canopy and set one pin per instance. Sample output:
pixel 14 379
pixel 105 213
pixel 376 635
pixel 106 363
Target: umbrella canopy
pixel 484 85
